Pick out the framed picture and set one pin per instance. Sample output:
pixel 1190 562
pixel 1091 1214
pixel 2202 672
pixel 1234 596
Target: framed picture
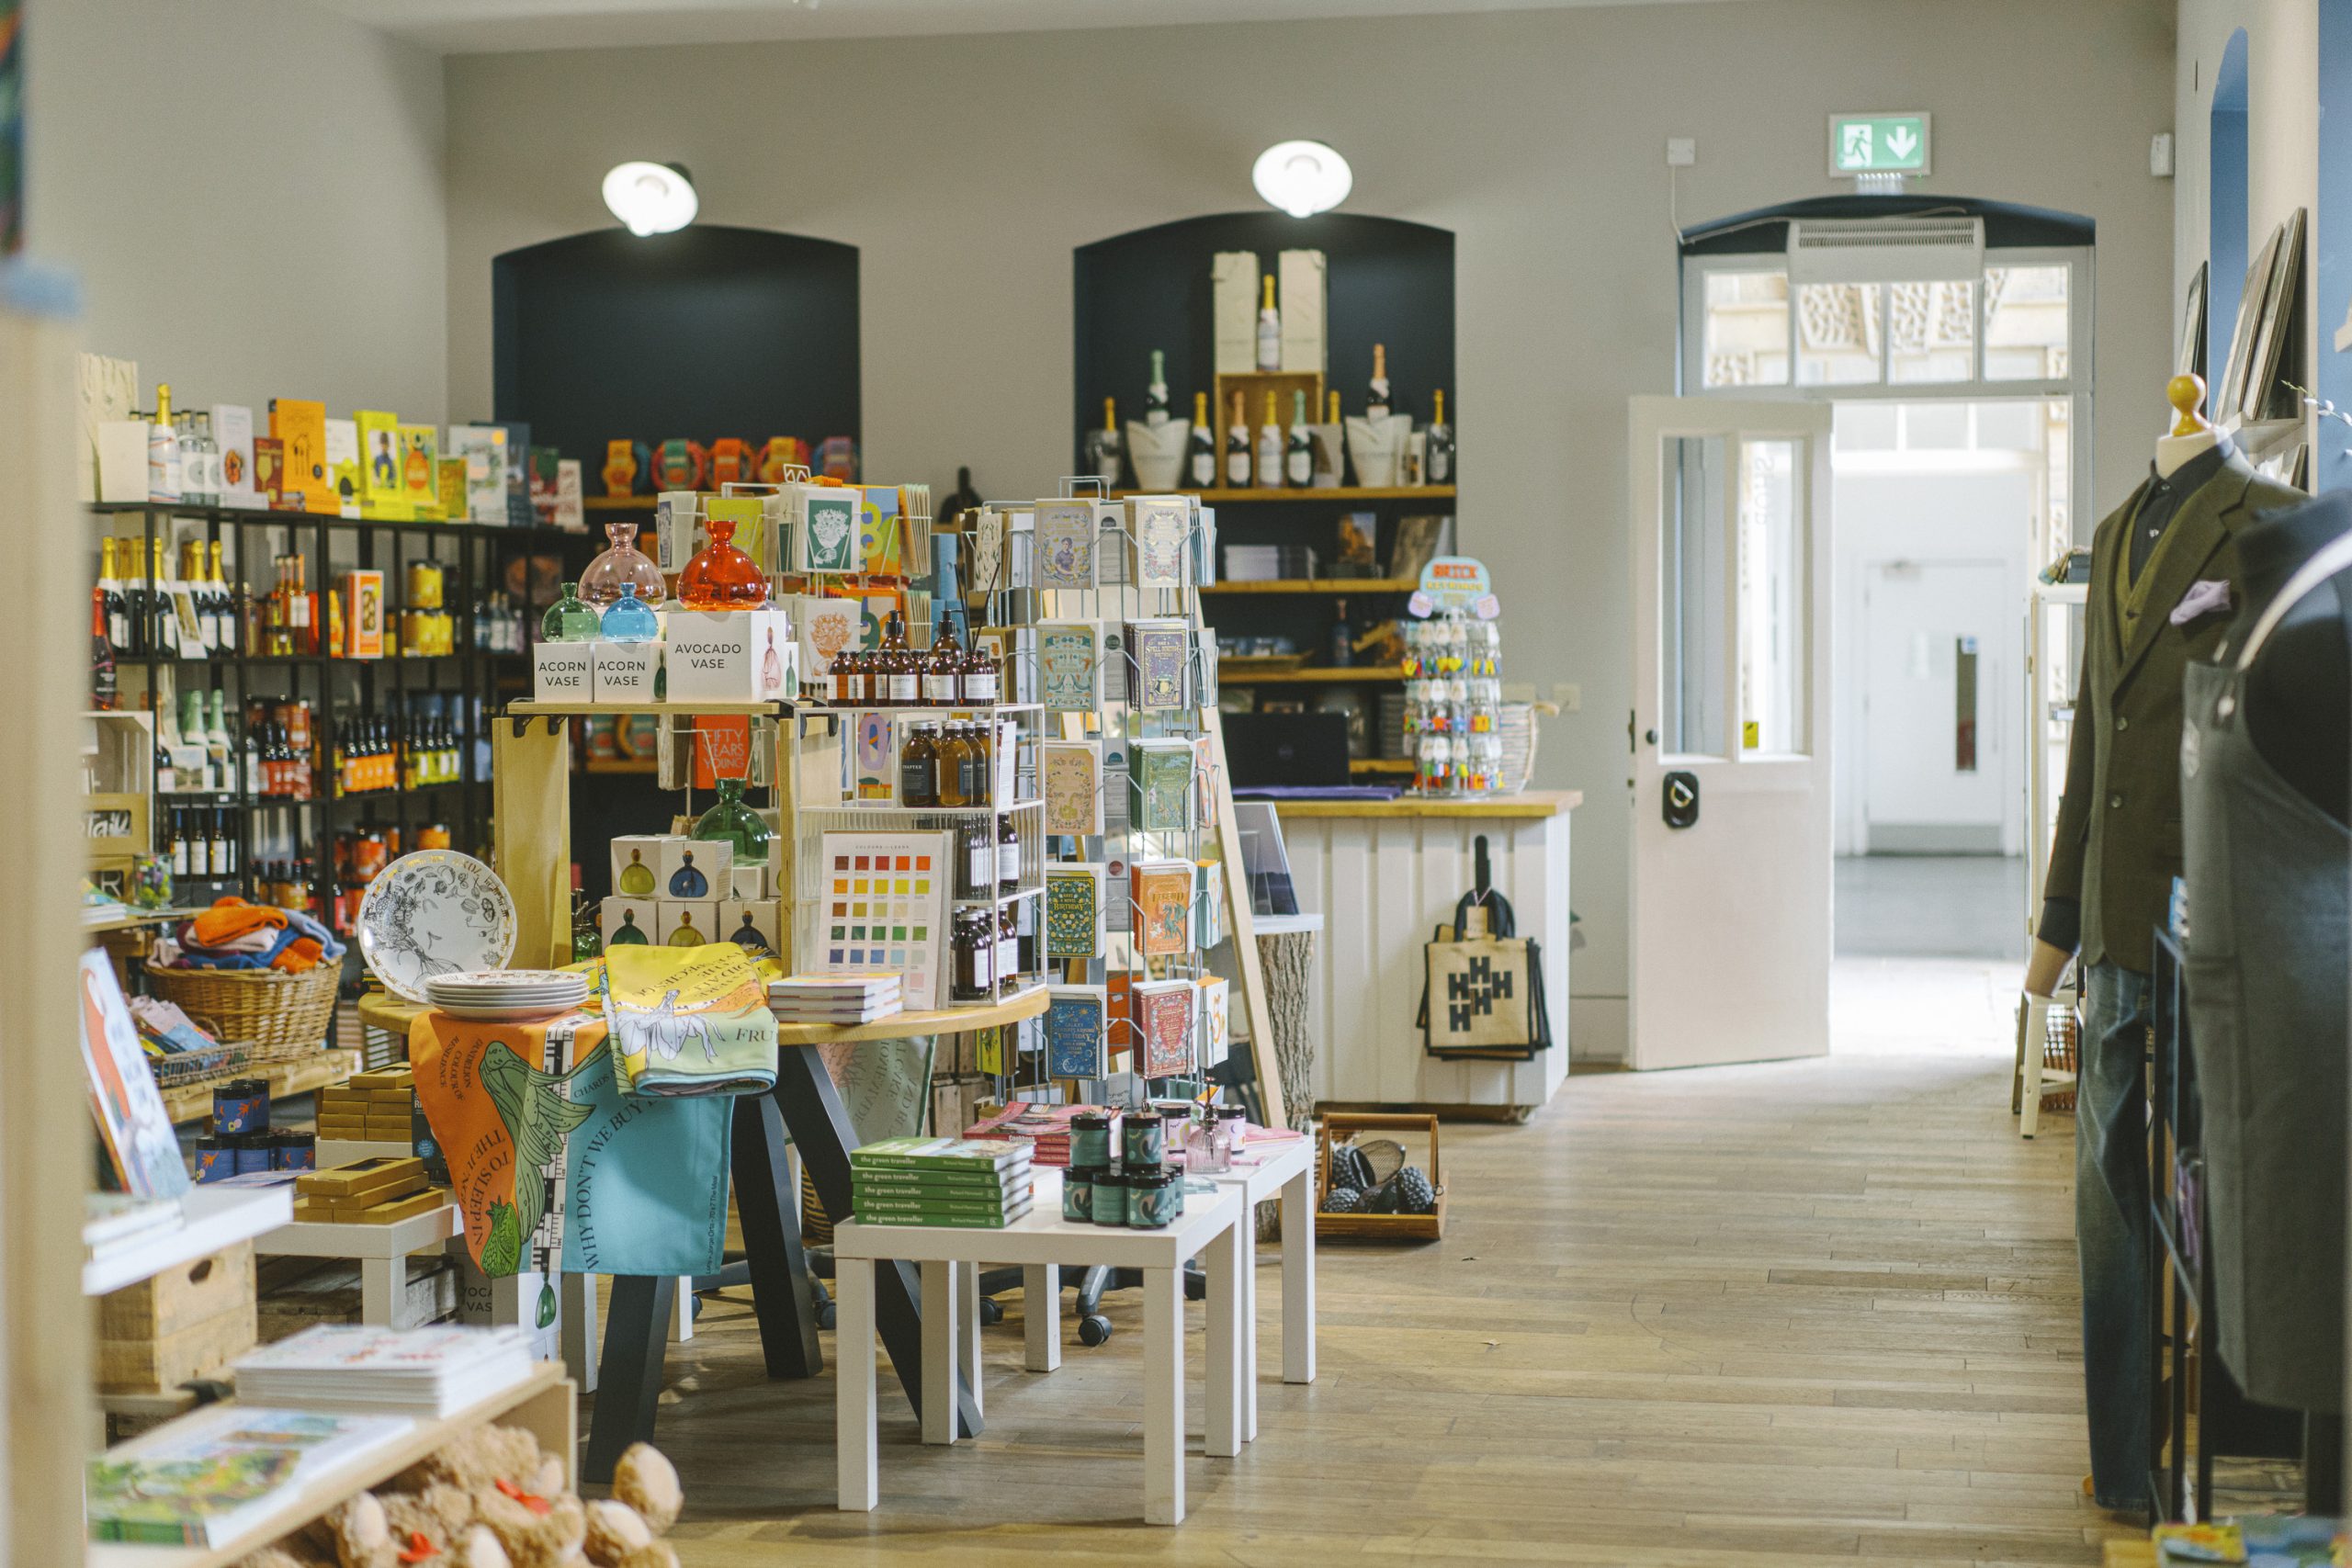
pixel 2190 358
pixel 2224 397
pixel 2270 354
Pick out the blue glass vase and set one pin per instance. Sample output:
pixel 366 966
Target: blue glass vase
pixel 629 618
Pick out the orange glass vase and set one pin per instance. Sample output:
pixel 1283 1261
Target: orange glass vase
pixel 721 577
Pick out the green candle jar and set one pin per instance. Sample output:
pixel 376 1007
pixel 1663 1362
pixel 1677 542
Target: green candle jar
pixel 1110 1198
pixel 1077 1194
pixel 1155 1199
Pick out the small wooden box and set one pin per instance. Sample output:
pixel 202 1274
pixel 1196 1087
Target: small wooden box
pixel 1254 385
pixel 179 1297
pixel 1341 1127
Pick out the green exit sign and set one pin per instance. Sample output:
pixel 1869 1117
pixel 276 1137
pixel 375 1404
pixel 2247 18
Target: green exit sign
pixel 1878 144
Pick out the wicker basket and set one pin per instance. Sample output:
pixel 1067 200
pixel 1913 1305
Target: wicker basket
pixel 262 1006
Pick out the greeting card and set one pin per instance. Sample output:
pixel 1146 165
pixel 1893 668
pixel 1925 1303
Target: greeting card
pixel 1074 914
pixel 1075 1036
pixel 1158 659
pixel 1065 543
pixel 826 539
pixel 1214 1039
pixel 1073 787
pixel 381 490
pixel 483 448
pixel 1163 906
pixel 1069 666
pixel 988 550
pixel 1161 528
pixel 881 532
pixel 1165 1013
pixel 1162 772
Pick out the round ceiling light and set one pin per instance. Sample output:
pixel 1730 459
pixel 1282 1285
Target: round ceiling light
pixel 651 198
pixel 1301 178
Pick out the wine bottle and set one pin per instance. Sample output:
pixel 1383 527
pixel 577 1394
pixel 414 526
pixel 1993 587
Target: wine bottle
pixel 1438 470
pixel 1106 448
pixel 1204 443
pixel 1155 398
pixel 103 687
pixel 163 449
pixel 1270 330
pixel 1236 448
pixel 1342 640
pixel 1376 403
pixel 1298 461
pixel 111 595
pixel 1269 448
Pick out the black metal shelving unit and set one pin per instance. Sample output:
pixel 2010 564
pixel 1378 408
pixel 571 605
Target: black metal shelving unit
pixel 475 680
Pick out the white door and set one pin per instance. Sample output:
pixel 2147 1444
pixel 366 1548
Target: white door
pixel 1731 929
pixel 1933 774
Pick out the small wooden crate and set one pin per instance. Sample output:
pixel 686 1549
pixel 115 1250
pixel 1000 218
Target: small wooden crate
pixel 192 1319
pixel 1254 385
pixel 1341 1127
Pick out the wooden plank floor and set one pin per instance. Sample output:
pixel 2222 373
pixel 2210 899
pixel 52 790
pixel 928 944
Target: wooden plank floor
pixel 1793 1314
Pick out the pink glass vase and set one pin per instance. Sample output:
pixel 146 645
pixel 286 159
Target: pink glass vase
pixel 622 562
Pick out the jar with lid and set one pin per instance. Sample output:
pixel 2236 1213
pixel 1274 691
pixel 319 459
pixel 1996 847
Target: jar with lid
pixel 1111 1194
pixel 1143 1139
pixel 1090 1140
pixel 919 767
pixel 1077 1193
pixel 1155 1197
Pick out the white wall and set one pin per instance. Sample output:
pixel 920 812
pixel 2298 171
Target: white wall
pixel 966 169
pixel 250 191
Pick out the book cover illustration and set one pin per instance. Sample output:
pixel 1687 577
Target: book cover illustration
pixel 1157 654
pixel 988 550
pixel 269 475
pixel 1164 1017
pixel 382 489
pixel 1075 1039
pixel 344 476
pixel 828 532
pixel 1163 906
pixel 1065 543
pixel 131 1118
pixel 1213 1038
pixel 1068 665
pixel 299 427
pixel 1162 775
pixel 200 1486
pixel 1073 787
pixel 233 430
pixel 421 470
pixel 881 532
pixel 484 449
pixel 826 628
pixel 450 476
pixel 886 910
pixel 1074 911
pixel 1161 525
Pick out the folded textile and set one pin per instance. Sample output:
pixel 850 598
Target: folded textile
pixel 688 1020
pixel 233 934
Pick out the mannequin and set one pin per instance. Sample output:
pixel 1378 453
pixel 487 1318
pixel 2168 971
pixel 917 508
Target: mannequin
pixel 2162 588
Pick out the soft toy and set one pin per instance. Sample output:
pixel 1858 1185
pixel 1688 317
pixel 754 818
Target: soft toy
pixel 649 1483
pixel 654 1555
pixel 537 1532
pixel 615 1529
pixel 290 1553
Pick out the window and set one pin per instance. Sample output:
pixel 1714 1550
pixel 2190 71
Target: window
pixel 1930 332
pixel 2025 323
pixel 1748 329
pixel 1691 587
pixel 1771 602
pixel 1838 334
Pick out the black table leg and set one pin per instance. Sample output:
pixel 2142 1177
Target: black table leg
pixel 629 1376
pixel 821 1128
pixel 778 1272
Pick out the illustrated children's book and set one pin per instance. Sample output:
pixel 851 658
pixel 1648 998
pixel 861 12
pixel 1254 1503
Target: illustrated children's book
pixel 1075 1038
pixel 1074 913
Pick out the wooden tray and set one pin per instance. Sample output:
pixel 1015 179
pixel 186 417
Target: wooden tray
pixel 1242 667
pixel 1340 1127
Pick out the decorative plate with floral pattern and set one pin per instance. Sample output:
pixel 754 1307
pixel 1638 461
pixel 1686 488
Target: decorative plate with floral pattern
pixel 433 912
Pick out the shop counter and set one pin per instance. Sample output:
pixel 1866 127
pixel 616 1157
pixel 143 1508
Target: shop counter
pixel 1384 875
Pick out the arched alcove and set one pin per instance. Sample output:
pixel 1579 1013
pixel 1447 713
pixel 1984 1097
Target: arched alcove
pixel 2225 200
pixel 706 332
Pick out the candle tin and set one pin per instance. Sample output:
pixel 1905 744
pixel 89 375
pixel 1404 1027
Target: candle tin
pixel 254 1152
pixel 1077 1193
pixel 1142 1140
pixel 295 1151
pixel 241 1106
pixel 1155 1199
pixel 1111 1192
pixel 215 1160
pixel 1089 1141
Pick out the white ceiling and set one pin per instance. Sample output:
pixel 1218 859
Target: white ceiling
pixel 477 26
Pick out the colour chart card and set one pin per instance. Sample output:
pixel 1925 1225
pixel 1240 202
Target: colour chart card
pixel 886 910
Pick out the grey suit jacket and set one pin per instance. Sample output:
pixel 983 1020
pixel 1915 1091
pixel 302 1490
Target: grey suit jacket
pixel 2118 843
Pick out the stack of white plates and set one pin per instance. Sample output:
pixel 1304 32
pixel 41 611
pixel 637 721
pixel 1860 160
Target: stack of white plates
pixel 490 995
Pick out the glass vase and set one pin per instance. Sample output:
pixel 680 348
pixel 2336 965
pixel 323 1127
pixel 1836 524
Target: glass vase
pixel 721 577
pixel 619 566
pixel 732 822
pixel 628 618
pixel 569 620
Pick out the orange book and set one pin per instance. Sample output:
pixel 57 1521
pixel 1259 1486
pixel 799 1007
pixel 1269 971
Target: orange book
pixel 299 427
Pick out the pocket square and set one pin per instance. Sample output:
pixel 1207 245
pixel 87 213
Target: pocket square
pixel 2204 597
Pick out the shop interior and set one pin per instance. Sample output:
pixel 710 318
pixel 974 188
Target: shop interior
pixel 792 809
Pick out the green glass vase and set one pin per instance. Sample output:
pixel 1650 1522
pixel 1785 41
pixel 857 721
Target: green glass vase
pixel 732 822
pixel 570 619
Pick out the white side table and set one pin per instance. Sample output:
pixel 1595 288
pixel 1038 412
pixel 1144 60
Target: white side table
pixel 382 1252
pixel 1042 1242
pixel 1286 1169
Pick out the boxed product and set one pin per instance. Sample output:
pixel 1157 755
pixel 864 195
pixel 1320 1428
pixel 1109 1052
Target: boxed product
pixel 731 656
pixel 637 864
pixel 747 882
pixel 625 920
pixel 752 924
pixel 563 671
pixel 684 922
pixel 626 670
pixel 363 614
pixel 694 868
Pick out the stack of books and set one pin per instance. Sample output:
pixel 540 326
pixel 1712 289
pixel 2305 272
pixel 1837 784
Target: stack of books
pixel 841 1000
pixel 1045 1128
pixel 406 1371
pixel 114 1223
pixel 974 1183
pixel 1263 563
pixel 207 1479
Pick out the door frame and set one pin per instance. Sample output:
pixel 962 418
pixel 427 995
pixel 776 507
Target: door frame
pixel 1733 772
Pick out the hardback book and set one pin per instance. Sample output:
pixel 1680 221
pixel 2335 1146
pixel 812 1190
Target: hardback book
pixel 923 1208
pixel 955 1183
pixel 207 1479
pixel 421 470
pixel 882 544
pixel 1074 912
pixel 1164 1017
pixel 269 475
pixel 1159 660
pixel 1076 1040
pixel 1073 787
pixel 947 1154
pixel 1160 527
pixel 541 469
pixel 1163 906
pixel 1160 772
pixel 233 431
pixel 450 478
pixel 343 466
pixel 428 1370
pixel 299 427
pixel 132 1120
pixel 1069 666
pixel 1065 543
pixel 484 449
pixel 519 513
pixel 956 1221
pixel 382 493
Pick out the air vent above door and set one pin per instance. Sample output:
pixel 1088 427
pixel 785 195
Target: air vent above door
pixel 1885 250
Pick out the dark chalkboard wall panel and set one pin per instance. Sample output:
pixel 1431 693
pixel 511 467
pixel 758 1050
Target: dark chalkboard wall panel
pixel 706 332
pixel 1386 281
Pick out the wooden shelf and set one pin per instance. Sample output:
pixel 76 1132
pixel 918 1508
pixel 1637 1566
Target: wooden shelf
pixel 1308 493
pixel 193 1101
pixel 138 918
pixel 541 1403
pixel 1340 676
pixel 211 1218
pixel 620 765
pixel 522 707
pixel 1380 764
pixel 1533 804
pixel 1316 585
pixel 618 503
pixel 901 1025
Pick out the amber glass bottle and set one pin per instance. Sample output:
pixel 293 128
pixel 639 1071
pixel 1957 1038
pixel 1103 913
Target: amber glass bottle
pixel 919 767
pixel 955 766
pixel 943 668
pixel 902 667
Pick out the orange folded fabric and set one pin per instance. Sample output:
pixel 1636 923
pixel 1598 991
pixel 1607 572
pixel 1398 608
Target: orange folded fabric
pixel 232 917
pixel 297 956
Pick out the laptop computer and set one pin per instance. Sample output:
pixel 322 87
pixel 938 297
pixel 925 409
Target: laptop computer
pixel 1297 749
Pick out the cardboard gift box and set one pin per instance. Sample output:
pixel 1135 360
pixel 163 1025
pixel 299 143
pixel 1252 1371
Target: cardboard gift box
pixel 563 671
pixel 731 656
pixel 626 671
